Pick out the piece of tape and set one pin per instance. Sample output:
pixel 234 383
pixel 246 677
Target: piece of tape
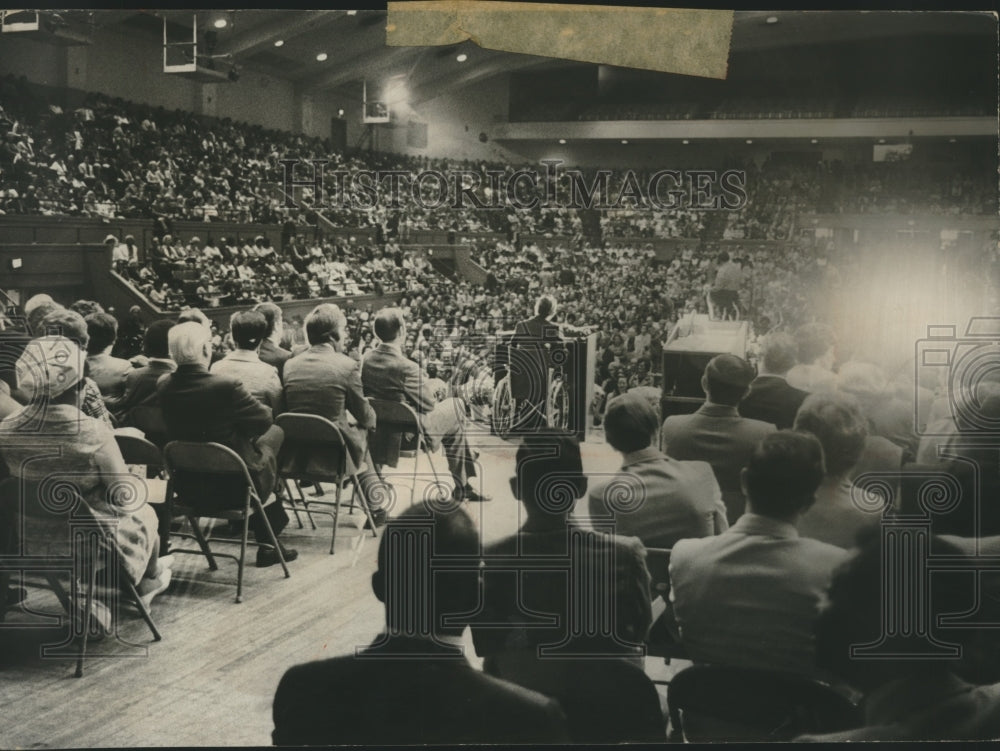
pixel 672 40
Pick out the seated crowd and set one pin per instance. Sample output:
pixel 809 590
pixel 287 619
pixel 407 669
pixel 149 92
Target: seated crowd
pixel 769 501
pixel 108 158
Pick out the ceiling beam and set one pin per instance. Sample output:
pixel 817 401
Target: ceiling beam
pixel 293 24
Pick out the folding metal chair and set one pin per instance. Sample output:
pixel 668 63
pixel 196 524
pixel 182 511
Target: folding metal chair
pixel 315 450
pixel 398 417
pixel 75 542
pixel 209 480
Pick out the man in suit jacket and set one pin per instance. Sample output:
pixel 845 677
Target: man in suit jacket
pixel 140 407
pixel 202 406
pixel 716 433
pixel 386 373
pixel 535 345
pixel 920 697
pixel 750 597
pixel 413 685
pixel 248 328
pixel 323 381
pixel 771 399
pixel 655 498
pixel 271 350
pixel 533 607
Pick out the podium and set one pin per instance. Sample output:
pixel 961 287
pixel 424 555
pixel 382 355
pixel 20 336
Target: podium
pixel 693 342
pixel 578 366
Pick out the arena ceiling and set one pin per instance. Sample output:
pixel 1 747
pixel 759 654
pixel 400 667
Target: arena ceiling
pixel 354 42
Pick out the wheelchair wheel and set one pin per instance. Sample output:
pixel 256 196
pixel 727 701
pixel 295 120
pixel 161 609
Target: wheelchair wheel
pixel 559 406
pixel 503 409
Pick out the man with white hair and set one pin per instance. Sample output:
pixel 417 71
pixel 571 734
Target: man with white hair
pixel 203 406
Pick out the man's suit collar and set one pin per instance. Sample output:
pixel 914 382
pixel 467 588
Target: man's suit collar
pixel 765 526
pixel 717 410
pixel 398 645
pixel 390 348
pixel 648 454
pixel 769 376
pixel 190 367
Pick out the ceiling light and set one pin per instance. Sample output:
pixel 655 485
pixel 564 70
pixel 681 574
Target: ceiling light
pixel 352 12
pixel 321 56
pixel 625 141
pixel 279 43
pixel 951 140
pixel 749 140
pixel 772 19
pixel 814 140
pixel 881 140
pixel 685 142
pixel 462 58
pixel 220 23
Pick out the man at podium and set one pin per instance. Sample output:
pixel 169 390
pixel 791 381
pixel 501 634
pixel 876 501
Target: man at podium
pixel 536 346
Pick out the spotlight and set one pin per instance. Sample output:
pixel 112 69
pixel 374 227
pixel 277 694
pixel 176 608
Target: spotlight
pixel 562 140
pixel 462 58
pixel 321 56
pixel 279 43
pixel 220 23
pixel 625 141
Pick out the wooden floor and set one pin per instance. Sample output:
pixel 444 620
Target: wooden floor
pixel 210 681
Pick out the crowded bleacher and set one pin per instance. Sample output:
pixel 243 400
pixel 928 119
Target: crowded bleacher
pixel 775 520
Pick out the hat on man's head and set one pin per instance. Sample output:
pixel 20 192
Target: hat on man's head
pixel 48 367
pixel 110 238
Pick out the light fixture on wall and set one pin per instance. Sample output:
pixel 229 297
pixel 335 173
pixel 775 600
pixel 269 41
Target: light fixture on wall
pixel 321 57
pixel 749 140
pixel 625 142
pixel 220 23
pixel 462 58
pixel 340 112
pixel 814 140
pixel 279 43
pixel 562 140
pixel 772 19
pixel 352 13
pixel 685 142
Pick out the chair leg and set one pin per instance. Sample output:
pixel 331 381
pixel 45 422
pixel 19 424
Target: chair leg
pixel 363 502
pixel 430 459
pixel 203 544
pixel 291 502
pixel 270 533
pixel 416 463
pixel 88 605
pixel 336 515
pixel 305 505
pixel 141 606
pixel 243 552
